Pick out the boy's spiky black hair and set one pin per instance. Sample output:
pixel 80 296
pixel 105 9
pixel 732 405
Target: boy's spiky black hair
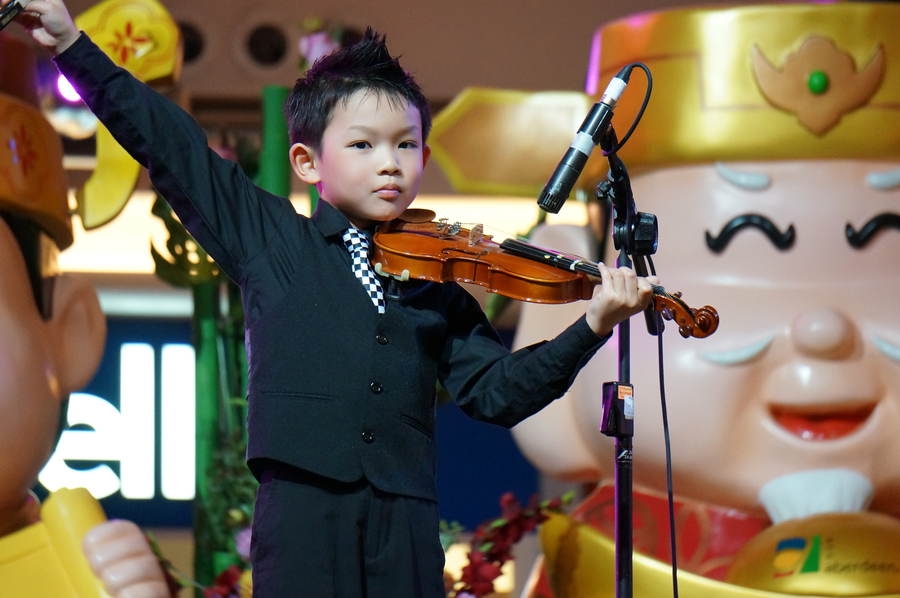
pixel 365 65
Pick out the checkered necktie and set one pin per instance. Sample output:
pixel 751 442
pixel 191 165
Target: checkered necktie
pixel 358 246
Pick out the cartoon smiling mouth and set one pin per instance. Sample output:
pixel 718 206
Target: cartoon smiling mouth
pixel 822 422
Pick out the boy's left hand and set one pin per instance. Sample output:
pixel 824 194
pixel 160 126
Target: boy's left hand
pixel 620 295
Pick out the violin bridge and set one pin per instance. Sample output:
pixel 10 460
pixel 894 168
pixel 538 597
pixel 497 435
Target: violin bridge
pixel 476 235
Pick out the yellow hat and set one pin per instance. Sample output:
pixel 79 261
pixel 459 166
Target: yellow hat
pixel 32 178
pixel 768 82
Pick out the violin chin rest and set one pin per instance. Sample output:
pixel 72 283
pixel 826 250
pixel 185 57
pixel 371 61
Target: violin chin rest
pixel 417 215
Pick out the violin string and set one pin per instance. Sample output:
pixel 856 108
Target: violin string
pixel 568 261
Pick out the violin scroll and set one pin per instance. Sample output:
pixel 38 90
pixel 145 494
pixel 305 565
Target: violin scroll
pixel 692 322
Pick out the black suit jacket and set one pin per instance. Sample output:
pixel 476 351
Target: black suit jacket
pixel 334 388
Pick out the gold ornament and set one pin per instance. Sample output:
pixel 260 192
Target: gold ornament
pixel 818 83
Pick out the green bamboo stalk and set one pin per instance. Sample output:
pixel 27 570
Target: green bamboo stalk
pixel 207 413
pixel 274 164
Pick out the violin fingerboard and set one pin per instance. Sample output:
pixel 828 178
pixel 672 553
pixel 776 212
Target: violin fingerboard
pixel 547 256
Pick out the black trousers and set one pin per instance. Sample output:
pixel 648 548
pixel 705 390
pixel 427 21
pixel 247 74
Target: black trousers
pixel 315 537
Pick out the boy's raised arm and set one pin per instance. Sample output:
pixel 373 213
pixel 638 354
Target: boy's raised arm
pixel 231 218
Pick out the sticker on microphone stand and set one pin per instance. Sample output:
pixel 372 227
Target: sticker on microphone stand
pixel 626 393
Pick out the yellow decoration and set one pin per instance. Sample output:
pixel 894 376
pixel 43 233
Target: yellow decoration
pixel 707 104
pixel 580 563
pixel 110 186
pixel 839 554
pixel 246 583
pixel 45 559
pixel 494 142
pixel 32 179
pixel 140 36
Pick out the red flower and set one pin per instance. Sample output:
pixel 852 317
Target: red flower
pixel 224 584
pixel 493 540
pixel 479 575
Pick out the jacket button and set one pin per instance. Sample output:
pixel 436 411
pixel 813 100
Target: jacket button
pixel 368 437
pixel 381 339
pixel 376 388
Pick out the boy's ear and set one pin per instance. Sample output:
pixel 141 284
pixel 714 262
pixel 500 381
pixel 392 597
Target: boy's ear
pixel 78 328
pixel 426 154
pixel 304 161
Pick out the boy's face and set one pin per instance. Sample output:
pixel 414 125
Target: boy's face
pixel 371 158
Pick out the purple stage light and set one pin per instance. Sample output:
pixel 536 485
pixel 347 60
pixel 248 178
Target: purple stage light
pixel 66 90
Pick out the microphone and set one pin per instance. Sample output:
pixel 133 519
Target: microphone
pixel 10 11
pixel 558 188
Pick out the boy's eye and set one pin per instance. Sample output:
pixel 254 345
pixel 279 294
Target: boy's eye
pixel 408 145
pixel 360 144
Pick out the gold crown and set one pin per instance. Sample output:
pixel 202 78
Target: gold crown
pixel 32 178
pixel 769 82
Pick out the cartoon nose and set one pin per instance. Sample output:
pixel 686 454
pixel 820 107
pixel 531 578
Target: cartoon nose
pixel 824 333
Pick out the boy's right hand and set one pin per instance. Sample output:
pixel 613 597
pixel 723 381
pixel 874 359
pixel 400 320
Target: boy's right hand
pixel 49 23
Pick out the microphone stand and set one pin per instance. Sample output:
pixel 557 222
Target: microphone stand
pixel 634 234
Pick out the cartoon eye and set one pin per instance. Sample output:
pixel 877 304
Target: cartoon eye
pixel 737 356
pixel 890 350
pixel 884 181
pixel 751 181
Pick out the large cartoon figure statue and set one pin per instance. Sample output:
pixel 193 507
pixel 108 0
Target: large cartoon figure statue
pixel 771 154
pixel 52 334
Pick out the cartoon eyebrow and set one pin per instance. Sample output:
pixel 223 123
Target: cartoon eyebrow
pixel 738 355
pixel 752 181
pixel 860 239
pixel 781 240
pixel 889 349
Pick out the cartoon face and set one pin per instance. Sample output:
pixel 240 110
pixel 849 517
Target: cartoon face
pixel 29 388
pixel 804 370
pixel 41 362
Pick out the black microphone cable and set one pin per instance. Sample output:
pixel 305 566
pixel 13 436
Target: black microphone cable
pixel 665 422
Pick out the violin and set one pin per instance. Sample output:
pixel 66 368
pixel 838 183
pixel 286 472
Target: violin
pixel 417 246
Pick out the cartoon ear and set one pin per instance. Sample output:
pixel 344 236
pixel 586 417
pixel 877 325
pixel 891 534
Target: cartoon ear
pixel 78 328
pixel 304 161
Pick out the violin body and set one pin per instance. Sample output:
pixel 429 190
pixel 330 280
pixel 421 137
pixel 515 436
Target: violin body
pixel 440 251
pixel 421 248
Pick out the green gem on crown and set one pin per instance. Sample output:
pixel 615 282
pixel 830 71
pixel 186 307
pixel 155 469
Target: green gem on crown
pixel 817 82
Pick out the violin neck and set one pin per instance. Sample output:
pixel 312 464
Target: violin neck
pixel 551 257
pixel 559 260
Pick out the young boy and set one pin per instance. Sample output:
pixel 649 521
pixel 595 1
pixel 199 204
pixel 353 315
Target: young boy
pixel 342 365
